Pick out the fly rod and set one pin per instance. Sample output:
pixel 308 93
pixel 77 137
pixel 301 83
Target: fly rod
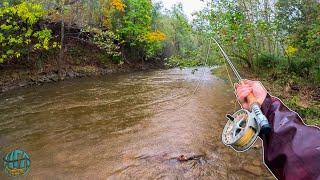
pixel 243 127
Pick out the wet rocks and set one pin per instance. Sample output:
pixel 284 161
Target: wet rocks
pixel 72 74
pixel 23 83
pixel 184 158
pixel 39 79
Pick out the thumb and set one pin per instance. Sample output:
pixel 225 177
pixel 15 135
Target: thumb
pixel 236 85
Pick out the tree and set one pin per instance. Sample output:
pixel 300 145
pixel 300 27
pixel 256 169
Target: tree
pixel 18 32
pixel 135 29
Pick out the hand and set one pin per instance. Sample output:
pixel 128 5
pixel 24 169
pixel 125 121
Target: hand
pixel 245 88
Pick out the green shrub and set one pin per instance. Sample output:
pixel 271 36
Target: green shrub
pixel 106 40
pixel 18 32
pixel 317 73
pixel 177 61
pixel 266 61
pixel 310 114
pixel 301 67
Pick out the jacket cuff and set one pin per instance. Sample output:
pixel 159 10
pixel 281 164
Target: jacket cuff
pixel 266 105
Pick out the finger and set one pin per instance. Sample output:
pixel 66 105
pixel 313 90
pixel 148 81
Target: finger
pixel 249 82
pixel 242 82
pixel 255 83
pixel 243 95
pixel 236 85
pixel 245 92
pixel 243 87
pixel 240 90
pixel 245 106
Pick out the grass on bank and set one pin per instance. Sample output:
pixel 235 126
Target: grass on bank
pixel 296 93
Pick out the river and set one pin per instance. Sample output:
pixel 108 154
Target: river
pixel 127 126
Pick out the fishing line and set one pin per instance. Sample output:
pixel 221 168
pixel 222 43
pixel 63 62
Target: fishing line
pixel 236 73
pixel 246 138
pixel 231 83
pixel 203 72
pixel 230 80
pixel 198 83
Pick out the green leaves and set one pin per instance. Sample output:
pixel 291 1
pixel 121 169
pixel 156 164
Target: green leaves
pixel 264 35
pixel 106 40
pixel 43 37
pixel 137 20
pixel 134 28
pixel 15 41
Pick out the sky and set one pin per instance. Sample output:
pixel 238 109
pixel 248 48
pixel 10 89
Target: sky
pixel 189 6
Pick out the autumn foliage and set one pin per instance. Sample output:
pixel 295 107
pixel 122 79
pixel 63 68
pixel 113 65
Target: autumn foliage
pixel 118 5
pixel 155 36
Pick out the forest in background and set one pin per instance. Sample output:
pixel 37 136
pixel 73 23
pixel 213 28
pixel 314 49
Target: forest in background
pixel 277 42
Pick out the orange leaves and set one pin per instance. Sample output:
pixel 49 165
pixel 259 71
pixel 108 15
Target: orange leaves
pixel 110 8
pixel 118 5
pixel 155 36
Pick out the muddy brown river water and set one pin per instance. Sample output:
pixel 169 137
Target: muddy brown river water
pixel 123 127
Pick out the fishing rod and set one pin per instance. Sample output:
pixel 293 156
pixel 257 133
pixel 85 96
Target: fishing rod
pixel 243 127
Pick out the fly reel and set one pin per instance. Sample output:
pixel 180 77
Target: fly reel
pixel 241 130
pixel 243 127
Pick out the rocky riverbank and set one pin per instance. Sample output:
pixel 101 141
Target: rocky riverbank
pixel 16 78
pixel 81 59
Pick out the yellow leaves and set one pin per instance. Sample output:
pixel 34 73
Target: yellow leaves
pixel 37 46
pixel 26 11
pixel 290 51
pixel 118 5
pixel 155 36
pixel 23 10
pixel 110 8
pixel 107 18
pixel 55 44
pixel 43 37
pixel 46 44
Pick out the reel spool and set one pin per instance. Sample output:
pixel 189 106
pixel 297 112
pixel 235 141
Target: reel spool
pixel 241 130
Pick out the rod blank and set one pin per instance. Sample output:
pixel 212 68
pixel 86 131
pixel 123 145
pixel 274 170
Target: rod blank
pixel 236 73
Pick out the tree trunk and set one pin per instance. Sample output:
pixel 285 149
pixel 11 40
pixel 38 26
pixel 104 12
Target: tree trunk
pixel 91 13
pixel 61 54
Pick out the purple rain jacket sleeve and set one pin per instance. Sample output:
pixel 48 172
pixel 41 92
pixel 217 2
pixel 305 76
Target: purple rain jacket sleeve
pixel 292 149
